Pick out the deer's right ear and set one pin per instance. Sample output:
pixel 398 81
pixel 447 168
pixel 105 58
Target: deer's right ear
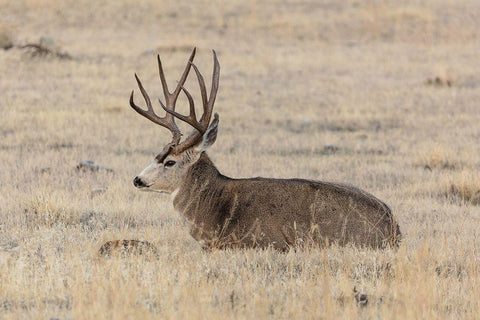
pixel 209 136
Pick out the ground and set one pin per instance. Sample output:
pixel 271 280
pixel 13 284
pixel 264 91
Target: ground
pixel 382 95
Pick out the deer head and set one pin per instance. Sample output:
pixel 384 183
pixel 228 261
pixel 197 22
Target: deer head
pixel 170 166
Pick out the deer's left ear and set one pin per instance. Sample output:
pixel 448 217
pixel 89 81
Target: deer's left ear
pixel 209 136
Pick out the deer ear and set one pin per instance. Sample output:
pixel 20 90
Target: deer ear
pixel 209 136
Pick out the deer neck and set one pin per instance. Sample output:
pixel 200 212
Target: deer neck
pixel 200 190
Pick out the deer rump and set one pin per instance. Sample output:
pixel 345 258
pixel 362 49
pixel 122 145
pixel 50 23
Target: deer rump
pixel 282 213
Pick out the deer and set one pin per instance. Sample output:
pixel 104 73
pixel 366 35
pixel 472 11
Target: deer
pixel 224 212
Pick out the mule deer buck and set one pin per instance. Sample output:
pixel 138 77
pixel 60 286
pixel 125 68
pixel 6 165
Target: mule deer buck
pixel 254 212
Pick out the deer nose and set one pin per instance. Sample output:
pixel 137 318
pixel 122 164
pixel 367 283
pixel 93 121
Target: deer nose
pixel 137 182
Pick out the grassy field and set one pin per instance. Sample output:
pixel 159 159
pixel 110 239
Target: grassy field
pixel 384 95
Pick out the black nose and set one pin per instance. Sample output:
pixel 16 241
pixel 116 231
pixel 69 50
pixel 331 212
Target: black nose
pixel 137 182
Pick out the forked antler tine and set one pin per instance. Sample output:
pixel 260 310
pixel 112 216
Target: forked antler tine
pixel 171 98
pixel 208 104
pixel 150 114
pixel 191 119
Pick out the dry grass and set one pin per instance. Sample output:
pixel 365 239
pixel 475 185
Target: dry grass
pixel 439 157
pixel 325 90
pixel 464 186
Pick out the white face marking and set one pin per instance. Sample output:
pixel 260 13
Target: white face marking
pixel 168 175
pixel 148 170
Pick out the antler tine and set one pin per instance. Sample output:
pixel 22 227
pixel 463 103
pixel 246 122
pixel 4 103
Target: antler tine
pixel 167 122
pixel 144 94
pixel 191 119
pixel 201 125
pixel 166 93
pixel 203 89
pixel 150 114
pixel 215 81
pixel 182 80
pixel 171 98
pixel 208 104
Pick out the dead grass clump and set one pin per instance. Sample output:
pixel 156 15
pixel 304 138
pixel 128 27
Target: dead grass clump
pixel 369 270
pixel 452 269
pixel 127 247
pixel 439 157
pixel 45 48
pixel 38 50
pixel 440 81
pixel 51 208
pixel 360 299
pixel 48 209
pixel 89 165
pixel 92 220
pixel 465 186
pixel 442 78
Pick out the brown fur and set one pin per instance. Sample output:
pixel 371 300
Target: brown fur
pixel 282 213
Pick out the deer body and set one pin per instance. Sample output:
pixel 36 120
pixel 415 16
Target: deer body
pixel 282 213
pixel 256 212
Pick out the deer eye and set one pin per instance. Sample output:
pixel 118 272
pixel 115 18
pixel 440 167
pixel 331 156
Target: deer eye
pixel 170 163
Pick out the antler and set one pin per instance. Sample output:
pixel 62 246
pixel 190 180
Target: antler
pixel 201 125
pixel 168 121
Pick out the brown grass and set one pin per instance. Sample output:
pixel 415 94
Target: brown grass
pixel 463 186
pixel 325 90
pixel 439 157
